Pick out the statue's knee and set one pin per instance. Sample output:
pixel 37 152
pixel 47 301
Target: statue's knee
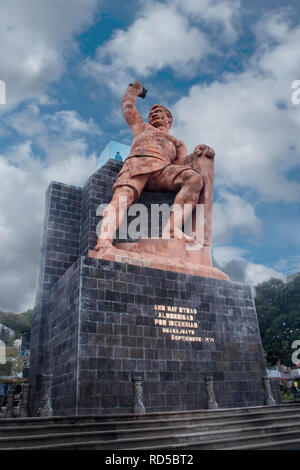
pixel 194 181
pixel 198 182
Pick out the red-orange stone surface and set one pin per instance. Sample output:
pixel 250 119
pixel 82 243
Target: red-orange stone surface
pixel 168 255
pixel 159 162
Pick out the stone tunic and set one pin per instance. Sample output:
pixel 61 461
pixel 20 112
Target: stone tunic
pixel 151 151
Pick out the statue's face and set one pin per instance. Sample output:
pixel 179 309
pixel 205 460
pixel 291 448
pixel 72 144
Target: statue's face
pixel 158 117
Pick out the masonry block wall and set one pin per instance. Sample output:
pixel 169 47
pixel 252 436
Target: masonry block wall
pixel 59 249
pixel 102 332
pixel 120 339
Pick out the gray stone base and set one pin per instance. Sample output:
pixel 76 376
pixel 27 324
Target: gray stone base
pixel 109 322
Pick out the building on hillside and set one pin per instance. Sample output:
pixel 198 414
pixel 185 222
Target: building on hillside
pixel 25 354
pixel 7 335
pixel 14 354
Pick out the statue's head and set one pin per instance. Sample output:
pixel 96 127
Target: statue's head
pixel 159 115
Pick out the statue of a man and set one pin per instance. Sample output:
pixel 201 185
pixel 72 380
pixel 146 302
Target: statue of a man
pixel 157 161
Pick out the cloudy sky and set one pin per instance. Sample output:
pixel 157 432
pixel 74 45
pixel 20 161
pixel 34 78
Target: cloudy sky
pixel 224 67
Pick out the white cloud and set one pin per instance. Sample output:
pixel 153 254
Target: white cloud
pixel 31 122
pixel 36 36
pixel 232 214
pixel 160 38
pixel 233 261
pixel 225 254
pixel 163 35
pixel 223 13
pixel 72 122
pixel 24 178
pixel 249 119
pixel 288 264
pixel 257 273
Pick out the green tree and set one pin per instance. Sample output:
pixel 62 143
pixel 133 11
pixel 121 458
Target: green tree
pixel 19 322
pixel 278 311
pixel 6 369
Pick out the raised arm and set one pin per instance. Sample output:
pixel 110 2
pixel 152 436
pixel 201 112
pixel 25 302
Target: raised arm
pixel 181 153
pixel 128 106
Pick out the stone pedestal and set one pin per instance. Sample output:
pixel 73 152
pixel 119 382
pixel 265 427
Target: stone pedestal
pixel 98 324
pixel 168 255
pixel 109 322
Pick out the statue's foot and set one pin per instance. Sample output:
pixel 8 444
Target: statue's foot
pixel 103 249
pixel 102 244
pixel 178 234
pixel 187 238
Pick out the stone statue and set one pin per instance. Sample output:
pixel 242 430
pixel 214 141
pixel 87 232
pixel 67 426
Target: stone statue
pixel 159 162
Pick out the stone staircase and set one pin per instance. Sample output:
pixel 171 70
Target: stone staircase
pixel 260 427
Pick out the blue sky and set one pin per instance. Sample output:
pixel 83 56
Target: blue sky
pixel 224 68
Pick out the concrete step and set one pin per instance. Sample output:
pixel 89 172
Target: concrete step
pixel 200 429
pixel 140 439
pixel 263 441
pixel 270 440
pixel 152 426
pixel 230 414
pixel 284 440
pixel 280 444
